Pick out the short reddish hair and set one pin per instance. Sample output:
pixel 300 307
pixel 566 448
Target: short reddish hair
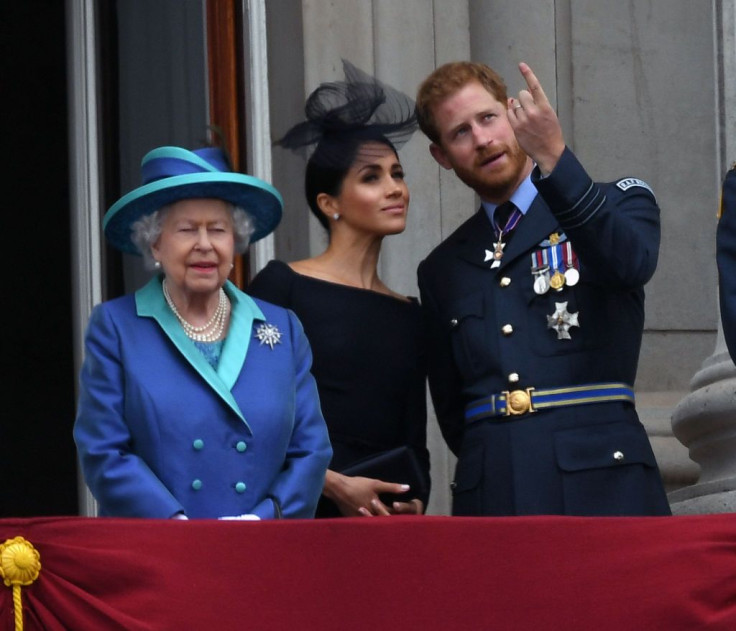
pixel 448 79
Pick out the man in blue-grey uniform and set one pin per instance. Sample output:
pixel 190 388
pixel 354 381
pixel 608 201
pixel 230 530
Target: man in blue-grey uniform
pixel 535 310
pixel 726 259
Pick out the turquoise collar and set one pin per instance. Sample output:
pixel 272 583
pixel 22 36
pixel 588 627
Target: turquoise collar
pixel 150 303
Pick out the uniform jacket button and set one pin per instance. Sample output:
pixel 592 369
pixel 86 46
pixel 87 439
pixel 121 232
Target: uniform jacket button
pixel 241 446
pixel 507 329
pixel 514 377
pixel 197 484
pixel 240 487
pixel 198 444
pixel 618 455
pixel 453 322
pixel 505 281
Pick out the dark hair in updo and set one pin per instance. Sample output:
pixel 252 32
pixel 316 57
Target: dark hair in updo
pixel 330 163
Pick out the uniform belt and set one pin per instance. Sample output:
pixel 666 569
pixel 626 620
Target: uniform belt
pixel 518 402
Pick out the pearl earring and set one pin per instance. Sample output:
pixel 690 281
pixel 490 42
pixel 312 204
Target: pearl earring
pixel 157 264
pixel 336 216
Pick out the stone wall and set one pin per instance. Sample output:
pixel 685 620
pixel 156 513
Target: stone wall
pixel 639 87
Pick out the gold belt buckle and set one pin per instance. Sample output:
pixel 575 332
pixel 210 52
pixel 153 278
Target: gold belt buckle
pixel 518 402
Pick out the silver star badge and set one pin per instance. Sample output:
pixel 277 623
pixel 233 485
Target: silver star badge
pixel 268 334
pixel 561 321
pixel 493 255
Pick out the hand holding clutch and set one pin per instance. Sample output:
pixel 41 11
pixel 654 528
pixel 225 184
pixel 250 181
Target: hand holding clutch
pixel 398 465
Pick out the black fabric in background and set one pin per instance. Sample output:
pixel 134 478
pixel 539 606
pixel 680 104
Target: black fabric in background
pixel 37 455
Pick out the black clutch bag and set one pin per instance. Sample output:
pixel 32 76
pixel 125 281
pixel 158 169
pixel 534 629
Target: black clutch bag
pixel 399 465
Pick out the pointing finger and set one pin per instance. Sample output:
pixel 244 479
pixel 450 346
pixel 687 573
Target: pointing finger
pixel 537 93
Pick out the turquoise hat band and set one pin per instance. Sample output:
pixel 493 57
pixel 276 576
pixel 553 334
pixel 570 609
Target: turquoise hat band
pixel 167 161
pixel 171 174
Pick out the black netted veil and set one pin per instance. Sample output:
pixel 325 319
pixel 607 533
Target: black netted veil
pixel 341 112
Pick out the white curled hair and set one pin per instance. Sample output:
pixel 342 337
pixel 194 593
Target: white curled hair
pixel 146 231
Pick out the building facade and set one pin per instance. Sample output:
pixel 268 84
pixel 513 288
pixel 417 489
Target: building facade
pixel 644 89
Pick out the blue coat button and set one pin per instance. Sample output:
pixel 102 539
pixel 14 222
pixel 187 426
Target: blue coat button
pixel 241 446
pixel 197 484
pixel 198 444
pixel 240 487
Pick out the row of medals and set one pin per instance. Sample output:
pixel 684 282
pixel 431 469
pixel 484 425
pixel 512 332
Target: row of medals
pixel 544 281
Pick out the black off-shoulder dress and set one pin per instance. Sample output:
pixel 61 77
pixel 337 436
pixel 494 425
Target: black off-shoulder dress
pixel 368 363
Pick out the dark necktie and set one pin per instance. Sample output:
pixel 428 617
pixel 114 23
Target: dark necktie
pixel 505 218
pixel 502 214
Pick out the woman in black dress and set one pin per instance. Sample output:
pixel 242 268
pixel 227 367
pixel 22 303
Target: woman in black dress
pixel 366 338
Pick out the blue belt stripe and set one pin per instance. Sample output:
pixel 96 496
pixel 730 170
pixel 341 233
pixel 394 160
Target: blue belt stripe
pixel 495 405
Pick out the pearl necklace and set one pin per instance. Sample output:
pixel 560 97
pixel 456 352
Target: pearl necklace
pixel 208 332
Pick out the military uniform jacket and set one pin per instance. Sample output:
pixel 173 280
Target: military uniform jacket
pixel 488 333
pixel 159 431
pixel 726 259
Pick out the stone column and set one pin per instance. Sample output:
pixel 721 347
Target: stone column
pixel 705 422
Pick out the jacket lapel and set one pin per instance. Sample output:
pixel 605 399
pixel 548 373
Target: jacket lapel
pixel 244 313
pixel 534 227
pixel 478 237
pixel 150 303
pixel 475 239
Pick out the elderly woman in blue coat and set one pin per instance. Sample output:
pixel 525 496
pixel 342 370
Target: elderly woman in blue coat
pixel 197 401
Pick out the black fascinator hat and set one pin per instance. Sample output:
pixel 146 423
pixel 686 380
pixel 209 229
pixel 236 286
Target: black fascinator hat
pixel 357 109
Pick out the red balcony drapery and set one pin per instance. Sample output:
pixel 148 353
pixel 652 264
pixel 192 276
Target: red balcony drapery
pixel 394 573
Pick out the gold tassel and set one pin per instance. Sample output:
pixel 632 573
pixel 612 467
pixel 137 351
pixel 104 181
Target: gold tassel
pixel 20 564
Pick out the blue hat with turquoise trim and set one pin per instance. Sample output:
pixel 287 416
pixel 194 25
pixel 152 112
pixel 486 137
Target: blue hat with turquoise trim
pixel 171 174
